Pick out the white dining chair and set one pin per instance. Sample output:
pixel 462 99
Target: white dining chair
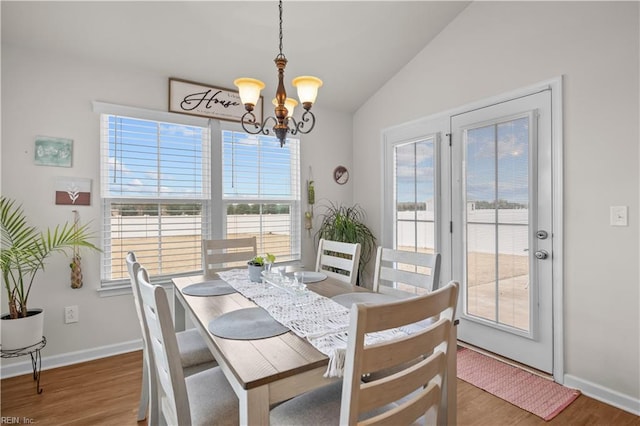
pixel 338 260
pixel 402 273
pixel 203 398
pixel 411 388
pixel 218 255
pixel 195 356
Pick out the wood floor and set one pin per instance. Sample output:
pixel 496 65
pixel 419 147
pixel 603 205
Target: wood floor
pixel 106 392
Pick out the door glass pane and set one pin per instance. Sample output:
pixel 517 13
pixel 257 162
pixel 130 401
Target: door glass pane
pixel 497 222
pixel 415 202
pixel 414 196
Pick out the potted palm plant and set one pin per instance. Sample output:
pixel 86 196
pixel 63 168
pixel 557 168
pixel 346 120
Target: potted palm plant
pixel 346 224
pixel 24 251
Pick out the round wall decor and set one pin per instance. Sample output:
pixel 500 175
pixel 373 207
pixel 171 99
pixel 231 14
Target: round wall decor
pixel 341 175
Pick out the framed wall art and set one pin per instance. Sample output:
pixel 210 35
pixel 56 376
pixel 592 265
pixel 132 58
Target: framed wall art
pixel 73 191
pixel 188 97
pixel 50 151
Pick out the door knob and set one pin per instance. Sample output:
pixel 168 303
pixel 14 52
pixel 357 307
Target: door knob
pixel 541 254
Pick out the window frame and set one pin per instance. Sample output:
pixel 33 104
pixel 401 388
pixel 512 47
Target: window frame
pixel 295 200
pixel 106 202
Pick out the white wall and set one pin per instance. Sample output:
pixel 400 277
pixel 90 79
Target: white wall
pixel 51 95
pixel 495 47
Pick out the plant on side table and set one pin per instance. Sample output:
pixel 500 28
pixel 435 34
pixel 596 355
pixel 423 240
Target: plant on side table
pixel 24 251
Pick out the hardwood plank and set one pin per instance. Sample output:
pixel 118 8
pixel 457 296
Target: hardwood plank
pixel 101 392
pixel 105 392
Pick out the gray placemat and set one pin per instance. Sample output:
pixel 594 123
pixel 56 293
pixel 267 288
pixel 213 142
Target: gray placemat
pixel 347 299
pixel 246 324
pixel 209 288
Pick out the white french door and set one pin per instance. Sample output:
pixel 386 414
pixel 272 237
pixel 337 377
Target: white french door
pixel 482 185
pixel 502 228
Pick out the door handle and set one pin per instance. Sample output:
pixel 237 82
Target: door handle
pixel 541 254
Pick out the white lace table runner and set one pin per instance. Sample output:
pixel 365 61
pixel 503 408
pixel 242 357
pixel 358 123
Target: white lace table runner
pixel 320 320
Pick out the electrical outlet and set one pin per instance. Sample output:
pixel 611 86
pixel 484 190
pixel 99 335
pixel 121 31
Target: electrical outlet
pixel 618 216
pixel 71 314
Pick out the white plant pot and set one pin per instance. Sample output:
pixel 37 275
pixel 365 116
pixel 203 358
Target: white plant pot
pixel 22 332
pixel 255 273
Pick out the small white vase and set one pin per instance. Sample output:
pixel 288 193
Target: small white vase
pixel 22 332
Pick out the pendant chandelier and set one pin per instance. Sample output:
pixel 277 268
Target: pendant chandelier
pixel 283 122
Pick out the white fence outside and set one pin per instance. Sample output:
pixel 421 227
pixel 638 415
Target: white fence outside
pixel 148 226
pixel 513 231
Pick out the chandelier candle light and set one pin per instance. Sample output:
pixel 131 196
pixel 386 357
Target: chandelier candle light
pixel 284 123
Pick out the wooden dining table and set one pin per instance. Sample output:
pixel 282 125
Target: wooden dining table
pixel 266 371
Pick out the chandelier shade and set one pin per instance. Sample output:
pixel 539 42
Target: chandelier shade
pixel 307 88
pixel 249 90
pixel 283 121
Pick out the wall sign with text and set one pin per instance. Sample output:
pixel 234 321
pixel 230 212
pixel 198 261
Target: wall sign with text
pixel 188 97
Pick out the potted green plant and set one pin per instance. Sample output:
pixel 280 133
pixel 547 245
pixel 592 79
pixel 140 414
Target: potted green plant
pixel 24 251
pixel 346 224
pixel 256 266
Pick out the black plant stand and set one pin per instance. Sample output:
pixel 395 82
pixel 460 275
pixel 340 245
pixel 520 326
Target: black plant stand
pixel 36 359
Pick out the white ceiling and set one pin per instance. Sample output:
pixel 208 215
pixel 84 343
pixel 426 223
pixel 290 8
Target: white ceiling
pixel 355 47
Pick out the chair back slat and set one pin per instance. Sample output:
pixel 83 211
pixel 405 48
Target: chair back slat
pixel 339 260
pixel 383 355
pixel 405 271
pixel 218 255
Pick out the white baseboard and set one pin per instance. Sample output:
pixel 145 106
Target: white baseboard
pixel 602 394
pixel 25 367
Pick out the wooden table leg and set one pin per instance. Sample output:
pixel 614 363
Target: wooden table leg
pixel 179 314
pixel 254 406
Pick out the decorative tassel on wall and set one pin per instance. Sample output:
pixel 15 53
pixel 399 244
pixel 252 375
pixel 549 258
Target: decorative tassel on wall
pixel 76 266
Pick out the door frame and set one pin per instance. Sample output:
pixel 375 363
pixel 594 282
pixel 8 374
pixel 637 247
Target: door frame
pixel 413 128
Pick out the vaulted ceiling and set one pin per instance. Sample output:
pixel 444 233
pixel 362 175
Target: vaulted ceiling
pixel 355 47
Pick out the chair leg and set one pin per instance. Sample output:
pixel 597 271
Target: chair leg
pixel 152 389
pixel 144 390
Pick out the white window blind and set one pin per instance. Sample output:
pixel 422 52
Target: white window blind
pixel 155 188
pixel 261 192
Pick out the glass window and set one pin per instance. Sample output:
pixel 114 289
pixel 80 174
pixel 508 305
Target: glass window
pixel 415 196
pixel 261 192
pixel 155 192
pixel 162 193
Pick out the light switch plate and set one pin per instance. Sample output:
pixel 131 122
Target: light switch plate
pixel 618 215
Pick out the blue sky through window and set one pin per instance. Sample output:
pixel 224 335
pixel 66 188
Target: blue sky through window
pixel 150 159
pixel 256 167
pixel 498 162
pixel 415 172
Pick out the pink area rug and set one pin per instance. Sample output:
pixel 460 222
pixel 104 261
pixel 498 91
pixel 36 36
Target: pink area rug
pixel 537 395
